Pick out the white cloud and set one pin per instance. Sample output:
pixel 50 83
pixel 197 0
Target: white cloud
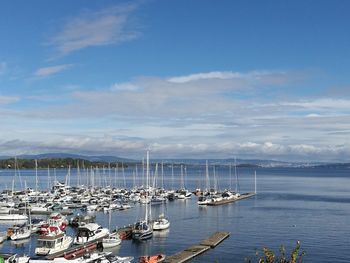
pixel 127 86
pixel 207 75
pixel 135 149
pixel 206 114
pixel 48 71
pixel 109 26
pixel 8 99
pixel 321 103
pixel 270 77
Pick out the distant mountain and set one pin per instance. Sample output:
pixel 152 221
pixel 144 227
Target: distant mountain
pixel 239 162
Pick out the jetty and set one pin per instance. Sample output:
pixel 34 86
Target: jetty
pixel 195 250
pixel 227 201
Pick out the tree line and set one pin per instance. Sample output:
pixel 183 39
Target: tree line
pixel 58 163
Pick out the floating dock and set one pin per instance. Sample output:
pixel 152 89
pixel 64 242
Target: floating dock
pixel 227 201
pixel 195 250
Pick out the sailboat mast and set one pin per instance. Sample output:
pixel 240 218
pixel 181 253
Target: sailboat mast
pixel 236 176
pixel 172 176
pixel 147 176
pixel 255 182
pixel 36 176
pixel 207 182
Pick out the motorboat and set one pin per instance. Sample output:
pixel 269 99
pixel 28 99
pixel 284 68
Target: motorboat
pixel 112 240
pixel 78 220
pixel 19 232
pixel 53 242
pixel 90 232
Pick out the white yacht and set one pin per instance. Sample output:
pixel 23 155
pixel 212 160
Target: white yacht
pixel 90 232
pixel 112 240
pixel 19 232
pixel 53 242
pixel 161 223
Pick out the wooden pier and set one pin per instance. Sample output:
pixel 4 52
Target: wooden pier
pixel 227 201
pixel 195 250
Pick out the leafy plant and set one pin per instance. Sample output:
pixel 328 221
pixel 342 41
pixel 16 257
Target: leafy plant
pixel 268 256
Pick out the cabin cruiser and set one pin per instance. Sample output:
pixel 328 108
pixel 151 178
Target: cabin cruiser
pixel 53 242
pixel 111 240
pixel 79 220
pixel 19 232
pixel 184 194
pixel 90 232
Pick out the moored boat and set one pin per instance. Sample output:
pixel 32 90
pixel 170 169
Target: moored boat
pixel 111 240
pixel 152 259
pixel 90 232
pixel 53 242
pixel 161 223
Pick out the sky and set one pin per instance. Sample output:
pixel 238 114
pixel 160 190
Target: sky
pixel 183 79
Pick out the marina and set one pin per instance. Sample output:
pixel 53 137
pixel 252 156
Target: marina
pixel 190 222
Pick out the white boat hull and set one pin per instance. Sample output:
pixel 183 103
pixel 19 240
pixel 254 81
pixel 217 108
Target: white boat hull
pixel 13 217
pixel 42 251
pixel 161 224
pixel 111 241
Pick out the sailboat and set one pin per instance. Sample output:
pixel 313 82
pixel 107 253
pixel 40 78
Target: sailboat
pixel 205 196
pixel 24 231
pixel 161 223
pixel 113 239
pixel 142 229
pixel 183 193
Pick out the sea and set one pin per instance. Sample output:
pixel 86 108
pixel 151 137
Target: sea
pixel 310 205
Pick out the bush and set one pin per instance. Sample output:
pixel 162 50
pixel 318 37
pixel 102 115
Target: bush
pixel 268 256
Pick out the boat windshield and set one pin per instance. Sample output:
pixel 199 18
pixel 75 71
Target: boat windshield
pixel 46 243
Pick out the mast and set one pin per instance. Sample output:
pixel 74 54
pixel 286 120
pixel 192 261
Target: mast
pixel 172 176
pixel 207 182
pixel 123 173
pixel 36 176
pixel 255 182
pixel 214 178
pixel 78 173
pixel 147 176
pixel 136 177
pixel 236 176
pixel 48 178
pixel 162 181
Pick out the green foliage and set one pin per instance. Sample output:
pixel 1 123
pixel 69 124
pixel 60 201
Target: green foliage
pixel 268 256
pixel 54 163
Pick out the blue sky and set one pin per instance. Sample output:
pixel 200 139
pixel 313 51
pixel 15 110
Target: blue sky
pixel 199 79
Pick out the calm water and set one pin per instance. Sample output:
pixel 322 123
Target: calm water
pixel 306 204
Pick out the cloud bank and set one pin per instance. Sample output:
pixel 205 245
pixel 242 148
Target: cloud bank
pixel 200 115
